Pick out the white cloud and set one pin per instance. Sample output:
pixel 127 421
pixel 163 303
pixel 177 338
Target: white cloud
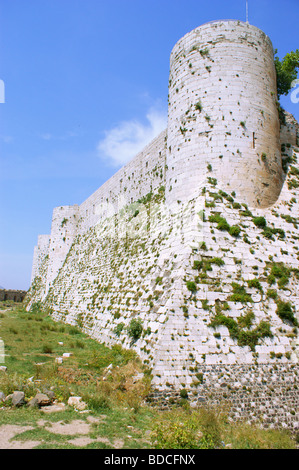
pixel 124 141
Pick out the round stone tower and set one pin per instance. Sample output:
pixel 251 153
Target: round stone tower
pixel 222 116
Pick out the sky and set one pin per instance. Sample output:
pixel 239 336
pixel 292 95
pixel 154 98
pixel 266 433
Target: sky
pixel 85 88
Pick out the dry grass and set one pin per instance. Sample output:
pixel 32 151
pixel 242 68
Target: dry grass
pixel 111 381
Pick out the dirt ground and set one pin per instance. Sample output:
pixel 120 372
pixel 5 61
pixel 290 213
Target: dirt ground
pixel 78 431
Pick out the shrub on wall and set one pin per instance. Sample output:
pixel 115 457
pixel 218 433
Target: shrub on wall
pixel 135 329
pixel 285 312
pixel 118 329
pixel 248 337
pixel 234 231
pixel 191 286
pixel 260 221
pixel 281 273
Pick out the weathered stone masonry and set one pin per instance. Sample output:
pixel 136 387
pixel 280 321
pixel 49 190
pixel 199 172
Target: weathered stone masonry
pixel 196 237
pixel 14 295
pixel 257 393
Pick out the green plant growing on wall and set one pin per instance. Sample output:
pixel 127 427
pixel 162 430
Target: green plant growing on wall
pixel 212 181
pixel 118 329
pixel 260 222
pixel 285 311
pixel 239 294
pixel 183 393
pixel 294 171
pixel 183 130
pixel 205 304
pixel 204 52
pixel 234 231
pixel 293 184
pixel 290 220
pixel 197 264
pixel 191 286
pixel 222 193
pixel 268 232
pixel 198 106
pixel 210 204
pixel 281 273
pixel 185 310
pixel 255 283
pixel 221 222
pixel 236 329
pixel 272 294
pixel 64 221
pixel 134 329
pixel 217 261
pixel 145 199
pixel 251 337
pixel 223 225
pixel 205 264
pixel 246 320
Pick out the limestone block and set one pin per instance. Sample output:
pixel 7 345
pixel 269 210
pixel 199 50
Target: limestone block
pixel 77 403
pixel 212 359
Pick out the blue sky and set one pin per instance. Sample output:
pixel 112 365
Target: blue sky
pixel 86 85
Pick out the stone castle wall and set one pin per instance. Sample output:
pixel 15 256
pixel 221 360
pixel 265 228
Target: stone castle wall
pixel 63 231
pixel 143 174
pixel 228 68
pixel 147 246
pixel 264 394
pixel 41 250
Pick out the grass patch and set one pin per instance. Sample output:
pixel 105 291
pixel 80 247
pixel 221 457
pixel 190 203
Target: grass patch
pixel 35 356
pixel 211 429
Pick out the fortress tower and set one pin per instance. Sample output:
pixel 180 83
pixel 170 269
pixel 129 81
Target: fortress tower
pixel 223 114
pixel 63 231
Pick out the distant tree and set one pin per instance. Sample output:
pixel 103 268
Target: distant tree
pixel 286 71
